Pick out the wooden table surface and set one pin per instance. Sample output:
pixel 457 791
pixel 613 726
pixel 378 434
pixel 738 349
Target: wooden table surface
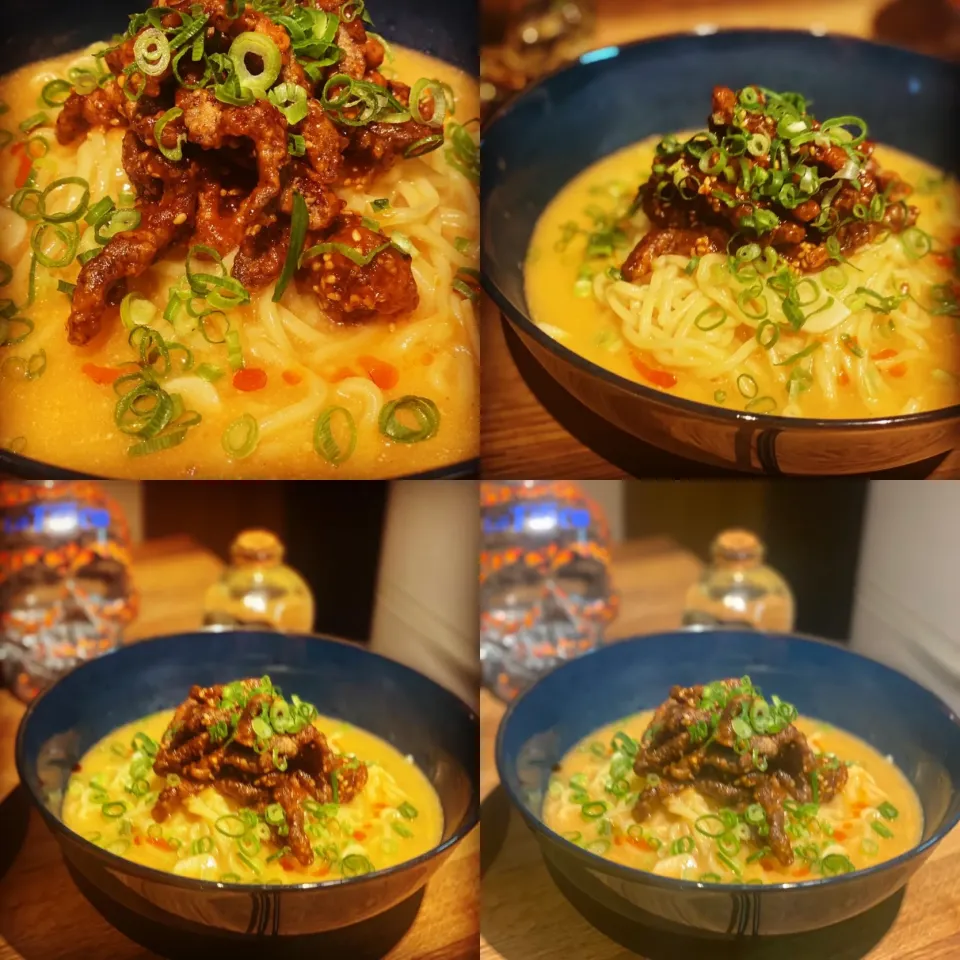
pixel 42 914
pixel 525 917
pixel 518 436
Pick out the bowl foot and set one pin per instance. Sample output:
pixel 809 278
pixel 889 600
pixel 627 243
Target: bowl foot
pixel 369 940
pixel 654 938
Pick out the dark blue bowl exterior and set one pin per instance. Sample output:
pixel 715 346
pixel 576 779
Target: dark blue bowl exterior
pixel 618 96
pixel 397 704
pixel 882 707
pixel 37 29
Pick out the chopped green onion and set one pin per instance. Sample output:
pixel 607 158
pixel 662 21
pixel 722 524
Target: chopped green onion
pixel 291 100
pixel 35 120
pixel 401 829
pixel 67 237
pixel 916 243
pixel 55 92
pixel 710 825
pixel 355 865
pixel 424 411
pixel 381 203
pixel 136 310
pixel 298 231
pixel 888 811
pixel 747 386
pixel 234 351
pixel 836 863
pixel 152 52
pixel 351 253
pixel 407 810
pixel 324 442
pixel 114 809
pixel 681 845
pixel 174 153
pixel 261 46
pixel 881 829
pixel 709 319
pixel 230 825
pixel 241 437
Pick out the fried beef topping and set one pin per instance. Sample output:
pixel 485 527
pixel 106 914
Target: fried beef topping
pixel 249 743
pixel 230 111
pixel 729 743
pixel 766 172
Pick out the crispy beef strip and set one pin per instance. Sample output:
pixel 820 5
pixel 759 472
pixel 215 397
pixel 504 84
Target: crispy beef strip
pixel 692 742
pixel 694 212
pixel 211 742
pixel 239 168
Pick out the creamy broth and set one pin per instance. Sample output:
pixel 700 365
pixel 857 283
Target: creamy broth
pixel 396 817
pixel 855 369
pixel 66 416
pixel 670 844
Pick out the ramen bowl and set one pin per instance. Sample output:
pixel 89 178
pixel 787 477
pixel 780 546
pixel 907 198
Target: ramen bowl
pixel 618 96
pixel 48 28
pixel 888 711
pixel 400 706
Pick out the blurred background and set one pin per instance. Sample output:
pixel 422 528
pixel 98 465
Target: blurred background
pixel 870 564
pixel 388 565
pixel 522 39
pixel 568 566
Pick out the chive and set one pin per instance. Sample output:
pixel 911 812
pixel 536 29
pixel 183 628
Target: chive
pixel 351 253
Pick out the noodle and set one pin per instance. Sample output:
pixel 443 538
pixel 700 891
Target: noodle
pixel 877 341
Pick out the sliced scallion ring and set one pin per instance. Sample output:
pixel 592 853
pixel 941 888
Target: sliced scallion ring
pixel 64 249
pixel 291 100
pixel 258 45
pixel 73 213
pixel 151 51
pixel 424 411
pixel 174 153
pixel 55 92
pixel 241 437
pixel 332 449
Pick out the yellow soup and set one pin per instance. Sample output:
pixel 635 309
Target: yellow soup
pixel 692 331
pixel 875 817
pixel 58 403
pixel 395 817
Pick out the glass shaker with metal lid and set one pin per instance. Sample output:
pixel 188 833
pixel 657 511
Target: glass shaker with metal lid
pixel 738 589
pixel 258 589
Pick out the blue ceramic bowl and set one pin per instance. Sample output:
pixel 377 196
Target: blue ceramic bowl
pixel 36 29
pixel 412 713
pixel 620 95
pixel 893 714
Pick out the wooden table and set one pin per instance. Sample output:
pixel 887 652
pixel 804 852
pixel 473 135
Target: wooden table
pixel 42 914
pixel 525 917
pixel 518 436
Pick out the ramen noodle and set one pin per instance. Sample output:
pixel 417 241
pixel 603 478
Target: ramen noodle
pixel 711 286
pixel 316 324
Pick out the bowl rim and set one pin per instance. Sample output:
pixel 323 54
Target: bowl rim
pixel 123 865
pixel 601 864
pixel 525 324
